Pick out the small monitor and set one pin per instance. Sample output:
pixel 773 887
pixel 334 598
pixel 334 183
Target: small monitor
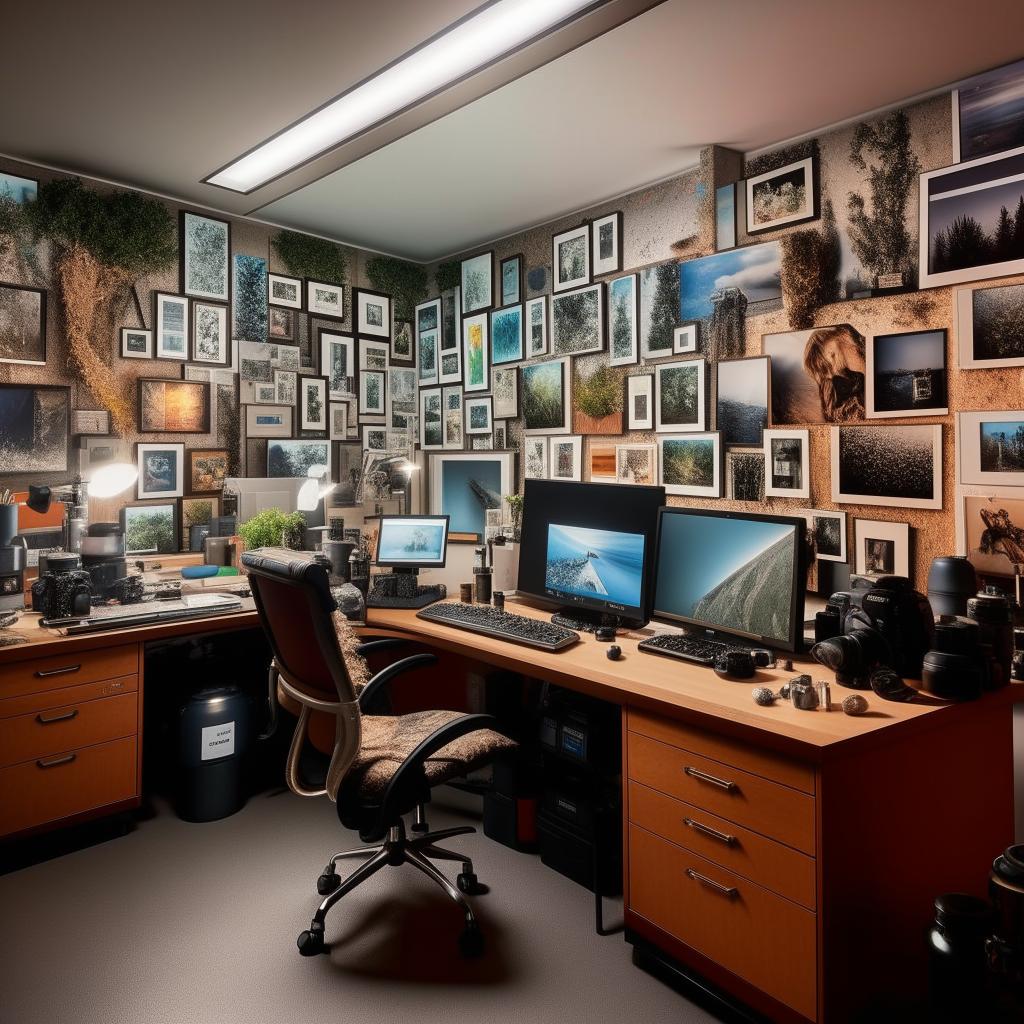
pixel 412 542
pixel 734 573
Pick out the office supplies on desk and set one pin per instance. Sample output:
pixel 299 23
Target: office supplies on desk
pixel 518 629
pixel 189 606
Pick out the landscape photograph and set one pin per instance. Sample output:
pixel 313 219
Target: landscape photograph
pixel 754 271
pixel 991 111
pixel 603 564
pixel 888 465
pixel 543 396
pixel 690 465
pixel 577 321
pixel 1002 446
pixel 507 335
pixel 149 528
pixel 997 322
pixel 908 376
pixel 286 458
pixel 680 396
pixel 742 400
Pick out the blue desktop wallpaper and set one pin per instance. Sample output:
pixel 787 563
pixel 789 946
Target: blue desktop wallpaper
pixel 599 564
pixel 418 540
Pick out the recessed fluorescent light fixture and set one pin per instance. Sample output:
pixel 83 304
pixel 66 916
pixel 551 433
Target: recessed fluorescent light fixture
pixel 492 31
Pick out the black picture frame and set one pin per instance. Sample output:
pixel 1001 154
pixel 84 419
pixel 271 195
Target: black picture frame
pixel 518 297
pixel 615 216
pixel 357 326
pixel 409 360
pixel 192 357
pixel 300 289
pixel 175 507
pixel 41 293
pixel 141 421
pixel 300 407
pixel 229 272
pixel 33 466
pixel 184 358
pixel 319 314
pixel 486 307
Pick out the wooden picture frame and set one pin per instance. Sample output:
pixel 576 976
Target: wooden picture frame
pixel 146 421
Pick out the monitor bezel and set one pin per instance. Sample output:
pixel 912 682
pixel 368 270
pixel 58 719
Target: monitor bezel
pixel 412 563
pixel 710 631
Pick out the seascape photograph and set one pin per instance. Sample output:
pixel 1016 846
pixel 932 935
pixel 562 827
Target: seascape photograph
pixel 602 564
pixel 742 400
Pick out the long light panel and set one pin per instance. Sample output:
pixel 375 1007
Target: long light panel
pixel 495 30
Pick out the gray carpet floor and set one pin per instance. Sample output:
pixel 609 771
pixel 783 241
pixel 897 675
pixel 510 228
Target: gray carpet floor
pixel 179 923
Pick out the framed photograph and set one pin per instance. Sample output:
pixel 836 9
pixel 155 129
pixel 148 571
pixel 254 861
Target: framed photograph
pixel 207 468
pixel 431 419
pixel 906 374
pixel 210 342
pixel 427 323
pixel 313 399
pixel 403 344
pixel 600 460
pixel 501 434
pixel 250 297
pixel 337 420
pixel 606 240
pixel 453 404
pixel 451 317
pixel 90 421
pixel 19 190
pixel 196 511
pixel 755 271
pixel 280 324
pixel 817 376
pixel 827 532
pixel 286 387
pixel 623 321
pixel 544 394
pixel 685 338
pixel 990 326
pixel 535 458
pixel 268 420
pixel 881 548
pixel 373 313
pixel 477 283
pixel 899 466
pixel 136 343
pixel 742 402
pixel 565 461
pixel 34 428
pixel 640 402
pixel 96 452
pixel 449 370
pixel 284 291
pixel 536 326
pixel 161 470
pixel 225 412
pixel 482 443
pixel 205 257
pixel 988 530
pixel 787 464
pixel 325 300
pixel 479 415
pixel 400 398
pixel 173 406
pixel 375 440
pixel 264 394
pixel 510 274
pixel 476 373
pixel 507 335
pixel 782 197
pixel 22 324
pixel 287 457
pixel 338 364
pixel 373 355
pixel 171 318
pixel 150 528
pixel 505 388
pixel 691 464
pixel 725 217
pixel 988 112
pixel 744 474
pixel 659 308
pixel 679 397
pixel 960 211
pixel 458 480
pixel 636 464
pixel 570 258
pixel 990 447
pixel 577 321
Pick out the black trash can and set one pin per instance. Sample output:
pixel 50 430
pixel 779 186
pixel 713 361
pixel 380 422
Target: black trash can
pixel 214 734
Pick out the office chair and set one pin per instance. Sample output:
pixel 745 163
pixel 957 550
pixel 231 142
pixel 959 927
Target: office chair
pixel 381 768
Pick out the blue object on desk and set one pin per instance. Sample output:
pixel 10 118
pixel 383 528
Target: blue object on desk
pixel 199 572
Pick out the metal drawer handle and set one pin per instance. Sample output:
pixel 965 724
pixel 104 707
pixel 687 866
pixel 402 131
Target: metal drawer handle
pixel 729 891
pixel 73 713
pixel 696 773
pixel 707 830
pixel 55 761
pixel 44 673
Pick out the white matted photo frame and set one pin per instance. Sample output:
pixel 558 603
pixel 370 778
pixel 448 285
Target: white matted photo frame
pixel 171 326
pixel 505 389
pixel 606 240
pixel 535 458
pixel 623 321
pixel 284 291
pixel 338 364
pixel 787 463
pixel 161 467
pixel 893 465
pixel 881 548
pixel 211 345
pixel 781 197
pixel 570 258
pixel 986 525
pixel 477 282
pixel 691 464
pixel 337 420
pixel 578 321
pixel 680 390
pixel 325 300
pixel 136 343
pixel 372 393
pixel 373 355
pixel 636 464
pixel 372 313
pixel 313 400
pixel 827 531
pixel 990 326
pixel 565 459
pixel 479 414
pixel 685 338
pixel 535 324
pixel 269 420
pixel 990 448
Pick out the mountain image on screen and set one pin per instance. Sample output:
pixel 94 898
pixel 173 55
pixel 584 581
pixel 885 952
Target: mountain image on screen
pixel 604 565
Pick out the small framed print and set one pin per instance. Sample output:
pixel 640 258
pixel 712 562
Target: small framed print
pixel 338 421
pixel 161 469
pixel 725 217
pixel 781 197
pixel 22 320
pixel 536 326
pixel 431 419
pixel 679 396
pixel 479 414
pixel 507 344
pixel 505 389
pixel 510 276
pixel 136 343
pixel 565 460
pixel 281 324
pixel 545 391
pixel 171 319
pixel 881 548
pixel 906 374
pixel 268 420
pixel 535 458
pixel 744 474
pixel 786 464
pixel 375 440
pixel 285 387
pixel 691 464
pixel 264 394
pixel 207 468
pixel 623 321
pixel 828 534
pixel 403 344
pixel 685 338
pixel 338 364
pixel 477 284
pixel 640 402
pixel 373 355
pixel 476 371
pixel 313 403
pixel 570 258
pixel 325 300
pixel 990 326
pixel 373 313
pixel 742 400
pixel 600 460
pixel 894 465
pixel 205 244
pixel 606 239
pixel 578 321
pixel 635 464
pixel 990 446
pixel 372 389
pixel 284 291
pixel 167 406
pixel 450 366
pixel 452 403
pixel 210 342
pixel 94 422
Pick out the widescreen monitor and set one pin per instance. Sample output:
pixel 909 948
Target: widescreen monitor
pixel 733 573
pixel 408 542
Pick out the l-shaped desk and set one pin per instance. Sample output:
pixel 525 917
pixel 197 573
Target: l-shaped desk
pixel 789 857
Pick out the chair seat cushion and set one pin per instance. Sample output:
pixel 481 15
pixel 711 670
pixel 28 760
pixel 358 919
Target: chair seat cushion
pixel 387 742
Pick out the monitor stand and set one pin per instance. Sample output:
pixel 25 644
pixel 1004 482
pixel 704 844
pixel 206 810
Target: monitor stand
pixel 588 622
pixel 385 592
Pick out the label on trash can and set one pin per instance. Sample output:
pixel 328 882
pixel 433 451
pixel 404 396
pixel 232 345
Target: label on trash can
pixel 218 740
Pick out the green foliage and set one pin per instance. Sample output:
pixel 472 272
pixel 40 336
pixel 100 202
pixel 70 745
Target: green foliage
pixel 123 231
pixel 810 270
pixel 12 221
pixel 664 307
pixel 405 282
pixel 309 256
pixel 448 275
pixel 268 528
pixel 600 394
pixel 149 531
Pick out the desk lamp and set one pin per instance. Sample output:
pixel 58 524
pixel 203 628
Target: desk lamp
pixel 315 489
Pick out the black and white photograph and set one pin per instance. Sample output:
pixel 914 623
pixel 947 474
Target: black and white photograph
pixel 691 465
pixel 205 257
pixel 373 355
pixel 210 342
pixel 634 464
pixel 570 258
pixel 286 387
pixel 679 396
pixel 744 474
pixel 781 197
pixel 312 403
pixel 284 291
pixel 565 459
pixel 372 313
pixel 990 326
pixel 881 548
pixel 403 344
pixel 640 402
pixel 400 397
pixel 479 414
pixel 325 300
pixel 899 466
pixel 477 283
pixel 990 447
pixel 287 457
pixel 34 428
pixel 686 338
pixel 161 470
pixel 906 374
pixel 742 403
pixel 577 321
pixel 136 343
pixel 511 280
pixel 535 458
pixel 623 321
pixel 535 323
pixel 606 239
pixel 171 319
pixel 338 364
pixel 372 389
pixel 22 325
pixel 337 421
pixel 505 389
pixel 827 532
pixel 786 464
pixel 453 405
pixel 431 420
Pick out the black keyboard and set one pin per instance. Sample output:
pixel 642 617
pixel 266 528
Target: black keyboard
pixel 517 629
pixel 689 648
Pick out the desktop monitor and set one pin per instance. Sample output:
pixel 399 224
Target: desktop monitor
pixel 733 573
pixel 589 547
pixel 412 542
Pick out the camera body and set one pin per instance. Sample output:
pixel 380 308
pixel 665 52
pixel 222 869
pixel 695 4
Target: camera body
pixel 63 595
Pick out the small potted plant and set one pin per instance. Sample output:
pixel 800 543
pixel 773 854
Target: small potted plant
pixel 273 528
pixel 597 402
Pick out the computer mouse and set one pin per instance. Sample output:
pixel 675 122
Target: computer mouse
pixel 614 652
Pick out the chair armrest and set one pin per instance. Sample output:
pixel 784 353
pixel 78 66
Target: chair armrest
pixel 379 682
pixel 372 645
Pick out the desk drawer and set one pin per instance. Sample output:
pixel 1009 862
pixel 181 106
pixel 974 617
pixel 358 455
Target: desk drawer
pixel 30 703
pixel 54 730
pixel 771 864
pixel 763 938
pixel 36 792
pixel 776 811
pixel 36 674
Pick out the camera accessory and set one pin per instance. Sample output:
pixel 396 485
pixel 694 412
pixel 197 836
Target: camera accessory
pixel 951 581
pixel 888 684
pixel 852 656
pixel 738 664
pixel 63 595
pixel 605 633
pixel 499 600
pixel 993 612
pixel 955 669
pixel 763 658
pixel 614 652
pixel 824 694
pixel 802 693
pixel 827 623
pixel 855 704
pixel 466 593
pixel 763 696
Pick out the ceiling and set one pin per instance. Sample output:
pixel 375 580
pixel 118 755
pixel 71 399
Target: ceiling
pixel 159 97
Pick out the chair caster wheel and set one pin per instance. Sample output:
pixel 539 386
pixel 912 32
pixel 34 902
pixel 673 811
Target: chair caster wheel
pixel 327 883
pixel 471 942
pixel 420 826
pixel 470 884
pixel 311 942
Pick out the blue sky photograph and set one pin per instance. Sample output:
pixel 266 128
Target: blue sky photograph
pixel 756 270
